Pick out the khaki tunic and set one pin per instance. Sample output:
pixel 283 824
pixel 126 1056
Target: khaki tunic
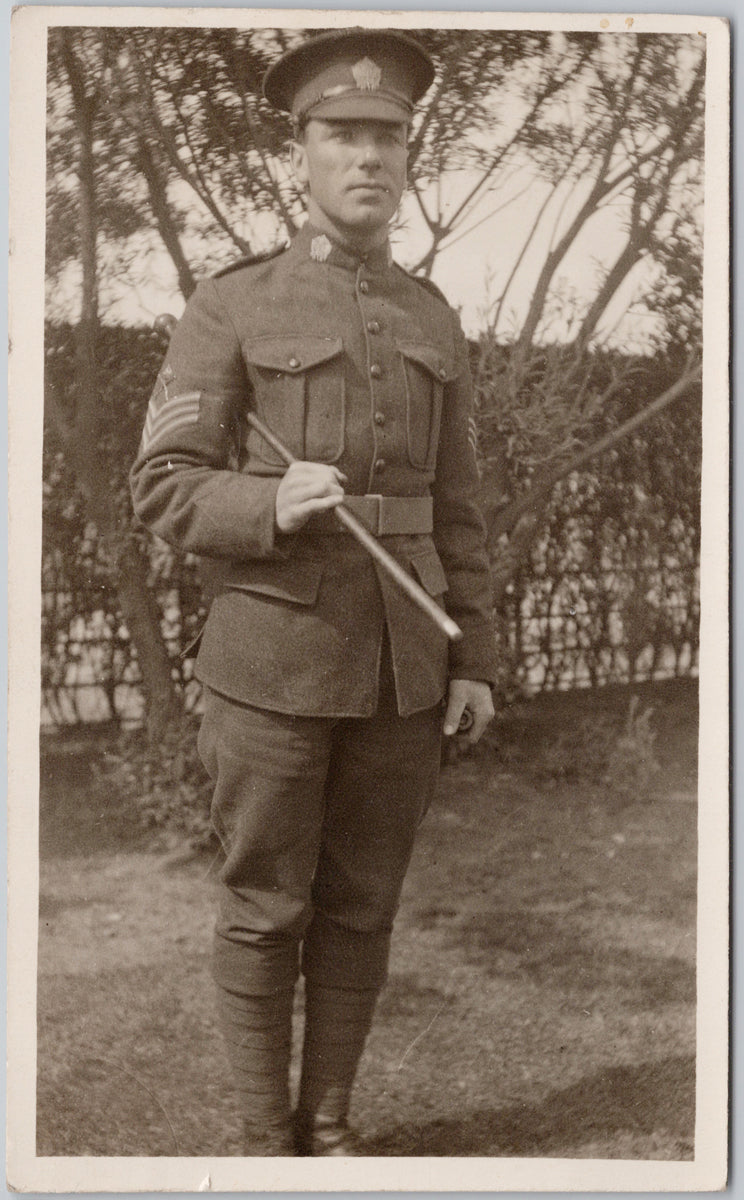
pixel 352 362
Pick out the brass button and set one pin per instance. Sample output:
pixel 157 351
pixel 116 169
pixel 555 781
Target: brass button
pixel 373 326
pixel 364 287
pixel 380 464
pixel 294 363
pixel 376 371
pixel 442 373
pixel 379 418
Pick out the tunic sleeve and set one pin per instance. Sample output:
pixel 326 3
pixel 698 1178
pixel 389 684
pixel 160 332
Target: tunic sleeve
pixel 185 487
pixel 459 529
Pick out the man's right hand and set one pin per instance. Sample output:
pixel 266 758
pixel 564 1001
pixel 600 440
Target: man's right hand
pixel 307 488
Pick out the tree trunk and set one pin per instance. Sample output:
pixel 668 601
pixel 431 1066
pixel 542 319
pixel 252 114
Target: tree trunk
pixel 82 428
pixel 163 218
pixel 142 618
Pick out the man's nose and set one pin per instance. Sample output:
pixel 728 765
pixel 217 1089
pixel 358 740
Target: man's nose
pixel 370 153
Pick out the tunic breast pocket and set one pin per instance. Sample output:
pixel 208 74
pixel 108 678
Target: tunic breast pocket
pixel 426 372
pixel 299 392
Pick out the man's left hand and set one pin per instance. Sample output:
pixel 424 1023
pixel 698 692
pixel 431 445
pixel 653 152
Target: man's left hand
pixel 472 694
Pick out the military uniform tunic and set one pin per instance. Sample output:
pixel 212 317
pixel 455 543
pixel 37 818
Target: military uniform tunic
pixel 349 361
pixel 322 711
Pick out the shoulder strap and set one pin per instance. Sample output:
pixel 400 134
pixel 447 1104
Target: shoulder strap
pixel 249 260
pixel 427 284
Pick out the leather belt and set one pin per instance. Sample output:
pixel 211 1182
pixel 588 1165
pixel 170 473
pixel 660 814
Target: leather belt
pixel 383 515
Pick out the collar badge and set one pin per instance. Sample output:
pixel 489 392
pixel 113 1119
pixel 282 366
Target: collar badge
pixel 320 248
pixel 367 75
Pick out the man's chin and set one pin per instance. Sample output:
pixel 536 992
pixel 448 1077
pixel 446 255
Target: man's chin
pixel 374 214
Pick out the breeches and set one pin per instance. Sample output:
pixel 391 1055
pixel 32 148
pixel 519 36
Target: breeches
pixel 317 818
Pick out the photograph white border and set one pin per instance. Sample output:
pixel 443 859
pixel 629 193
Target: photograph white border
pixel 25 1170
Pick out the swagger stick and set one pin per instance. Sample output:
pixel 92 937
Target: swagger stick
pixel 370 543
pixel 165 324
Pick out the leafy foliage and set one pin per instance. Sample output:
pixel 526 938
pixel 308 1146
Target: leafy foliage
pixel 632 763
pixel 608 580
pixel 538 412
pixel 165 783
pixel 599 749
pixel 78 580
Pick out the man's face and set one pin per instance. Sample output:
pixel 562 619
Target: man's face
pixel 355 172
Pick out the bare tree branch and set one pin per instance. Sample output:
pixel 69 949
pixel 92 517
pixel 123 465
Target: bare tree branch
pixel 532 503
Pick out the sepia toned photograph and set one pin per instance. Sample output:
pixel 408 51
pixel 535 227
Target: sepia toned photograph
pixel 369 601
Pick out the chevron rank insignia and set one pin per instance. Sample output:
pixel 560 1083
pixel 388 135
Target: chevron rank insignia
pixel 367 75
pixel 166 412
pixel 473 435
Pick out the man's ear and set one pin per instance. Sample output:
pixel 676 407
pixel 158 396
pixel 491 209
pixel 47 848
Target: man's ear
pixel 298 162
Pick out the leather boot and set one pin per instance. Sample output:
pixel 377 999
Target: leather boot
pixel 265 1142
pixel 337 1021
pixel 323 1139
pixel 258 1034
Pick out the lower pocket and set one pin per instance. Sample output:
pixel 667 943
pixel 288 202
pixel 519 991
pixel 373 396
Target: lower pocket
pixel 297 582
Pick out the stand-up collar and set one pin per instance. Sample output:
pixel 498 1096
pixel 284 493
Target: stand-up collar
pixel 311 243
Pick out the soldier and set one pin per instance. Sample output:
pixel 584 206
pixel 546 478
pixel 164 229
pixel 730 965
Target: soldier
pixel 326 689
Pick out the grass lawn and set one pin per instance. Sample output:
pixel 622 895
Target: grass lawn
pixel 541 999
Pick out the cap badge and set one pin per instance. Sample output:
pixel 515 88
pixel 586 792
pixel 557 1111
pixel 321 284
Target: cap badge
pixel 320 248
pixel 367 75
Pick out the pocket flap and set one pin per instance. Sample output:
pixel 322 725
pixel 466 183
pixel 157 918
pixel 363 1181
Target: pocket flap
pixel 297 581
pixel 291 353
pixel 430 572
pixel 429 357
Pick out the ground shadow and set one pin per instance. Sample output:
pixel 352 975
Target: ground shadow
pixel 551 951
pixel 78 814
pixel 638 1099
